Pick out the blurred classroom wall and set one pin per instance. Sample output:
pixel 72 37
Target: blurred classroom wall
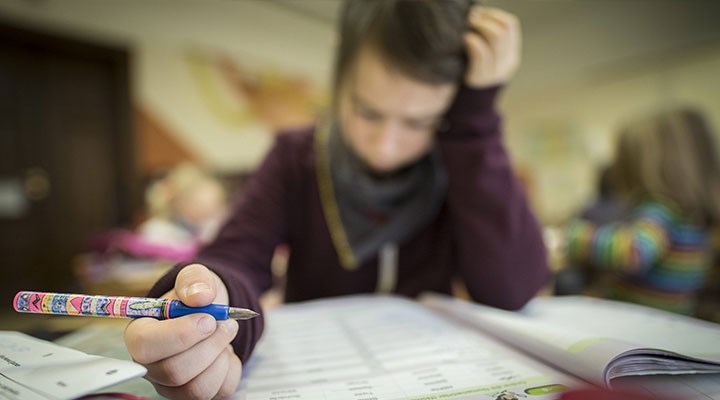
pixel 127 90
pixel 175 47
pixel 564 137
pixel 587 67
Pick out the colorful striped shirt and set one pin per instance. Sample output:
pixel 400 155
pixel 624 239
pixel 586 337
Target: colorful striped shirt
pixel 657 257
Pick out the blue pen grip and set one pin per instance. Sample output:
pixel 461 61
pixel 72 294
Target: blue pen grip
pixel 178 309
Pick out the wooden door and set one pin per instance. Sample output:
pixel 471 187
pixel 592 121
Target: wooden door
pixel 65 155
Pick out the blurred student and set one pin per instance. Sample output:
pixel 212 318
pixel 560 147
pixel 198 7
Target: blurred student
pixel 406 186
pixel 184 206
pixel 607 207
pixel 184 210
pixel 667 170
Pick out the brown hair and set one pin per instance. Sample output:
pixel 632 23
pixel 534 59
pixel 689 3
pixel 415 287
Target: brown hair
pixel 671 155
pixel 421 38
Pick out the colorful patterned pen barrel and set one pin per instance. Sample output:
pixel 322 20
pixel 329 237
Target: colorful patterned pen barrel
pixel 91 305
pixel 119 306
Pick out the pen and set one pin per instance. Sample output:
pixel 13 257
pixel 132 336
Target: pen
pixel 119 306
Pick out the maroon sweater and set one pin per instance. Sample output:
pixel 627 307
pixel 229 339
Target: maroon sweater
pixel 484 234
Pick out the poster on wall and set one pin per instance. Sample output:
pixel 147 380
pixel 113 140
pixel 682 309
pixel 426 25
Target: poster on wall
pixel 224 109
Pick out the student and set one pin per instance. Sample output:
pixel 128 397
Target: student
pixel 607 207
pixel 667 170
pixel 184 207
pixel 406 186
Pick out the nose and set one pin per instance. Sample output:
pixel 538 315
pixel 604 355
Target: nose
pixel 387 145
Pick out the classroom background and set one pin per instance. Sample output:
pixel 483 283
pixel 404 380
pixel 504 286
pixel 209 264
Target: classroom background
pixel 112 110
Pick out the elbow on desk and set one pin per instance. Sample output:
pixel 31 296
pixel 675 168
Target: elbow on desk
pixel 513 303
pixel 515 293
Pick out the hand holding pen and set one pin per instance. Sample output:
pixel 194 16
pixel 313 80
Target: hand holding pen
pixel 190 355
pixel 185 344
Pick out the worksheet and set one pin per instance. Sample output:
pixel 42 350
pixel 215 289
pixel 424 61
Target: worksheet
pixel 386 348
pixel 34 369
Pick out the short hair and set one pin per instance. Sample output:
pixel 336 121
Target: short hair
pixel 421 38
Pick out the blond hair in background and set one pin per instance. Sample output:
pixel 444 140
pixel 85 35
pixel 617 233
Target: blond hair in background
pixel 188 197
pixel 183 180
pixel 671 155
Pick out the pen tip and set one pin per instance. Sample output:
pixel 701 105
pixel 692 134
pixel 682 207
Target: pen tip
pixel 241 313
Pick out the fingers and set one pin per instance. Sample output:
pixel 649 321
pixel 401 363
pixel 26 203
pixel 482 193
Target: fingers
pixel 181 368
pixel 479 51
pixel 204 386
pixel 196 286
pixel 188 357
pixel 504 18
pixel 489 28
pixel 506 28
pixel 149 340
pixel 219 380
pixel 206 369
pixel 232 379
pixel 493 46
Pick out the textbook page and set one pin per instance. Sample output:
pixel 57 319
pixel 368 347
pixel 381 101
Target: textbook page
pixel 34 369
pixel 597 339
pixel 385 348
pixel 633 323
pixel 649 328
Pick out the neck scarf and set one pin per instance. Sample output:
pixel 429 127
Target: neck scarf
pixel 366 211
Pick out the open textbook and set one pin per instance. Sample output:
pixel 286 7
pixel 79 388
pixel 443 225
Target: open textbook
pixel 604 342
pixel 600 341
pixel 382 348
pixel 390 348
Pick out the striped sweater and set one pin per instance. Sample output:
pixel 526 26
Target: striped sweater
pixel 657 257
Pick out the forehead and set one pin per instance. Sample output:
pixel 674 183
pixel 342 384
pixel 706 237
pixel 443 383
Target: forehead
pixel 377 84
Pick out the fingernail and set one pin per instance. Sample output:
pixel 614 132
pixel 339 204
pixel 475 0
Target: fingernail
pixel 230 327
pixel 196 288
pixel 206 324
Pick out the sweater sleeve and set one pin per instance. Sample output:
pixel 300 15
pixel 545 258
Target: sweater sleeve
pixel 631 247
pixel 498 243
pixel 243 249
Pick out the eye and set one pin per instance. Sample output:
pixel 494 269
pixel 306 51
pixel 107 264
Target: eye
pixel 365 113
pixel 368 114
pixel 422 125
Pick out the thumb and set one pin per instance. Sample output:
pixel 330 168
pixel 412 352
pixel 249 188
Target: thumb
pixel 195 285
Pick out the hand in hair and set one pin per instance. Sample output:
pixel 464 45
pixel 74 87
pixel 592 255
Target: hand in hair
pixel 493 45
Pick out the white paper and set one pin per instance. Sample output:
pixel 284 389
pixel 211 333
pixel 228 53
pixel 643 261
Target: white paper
pixel 382 348
pixel 631 323
pixel 600 340
pixel 31 369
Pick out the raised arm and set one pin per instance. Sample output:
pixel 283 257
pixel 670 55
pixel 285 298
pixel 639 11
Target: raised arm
pixel 498 243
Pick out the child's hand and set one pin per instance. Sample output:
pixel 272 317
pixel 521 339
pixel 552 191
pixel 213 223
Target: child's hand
pixel 190 356
pixel 493 47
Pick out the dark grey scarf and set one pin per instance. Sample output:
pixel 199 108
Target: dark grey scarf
pixel 376 210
